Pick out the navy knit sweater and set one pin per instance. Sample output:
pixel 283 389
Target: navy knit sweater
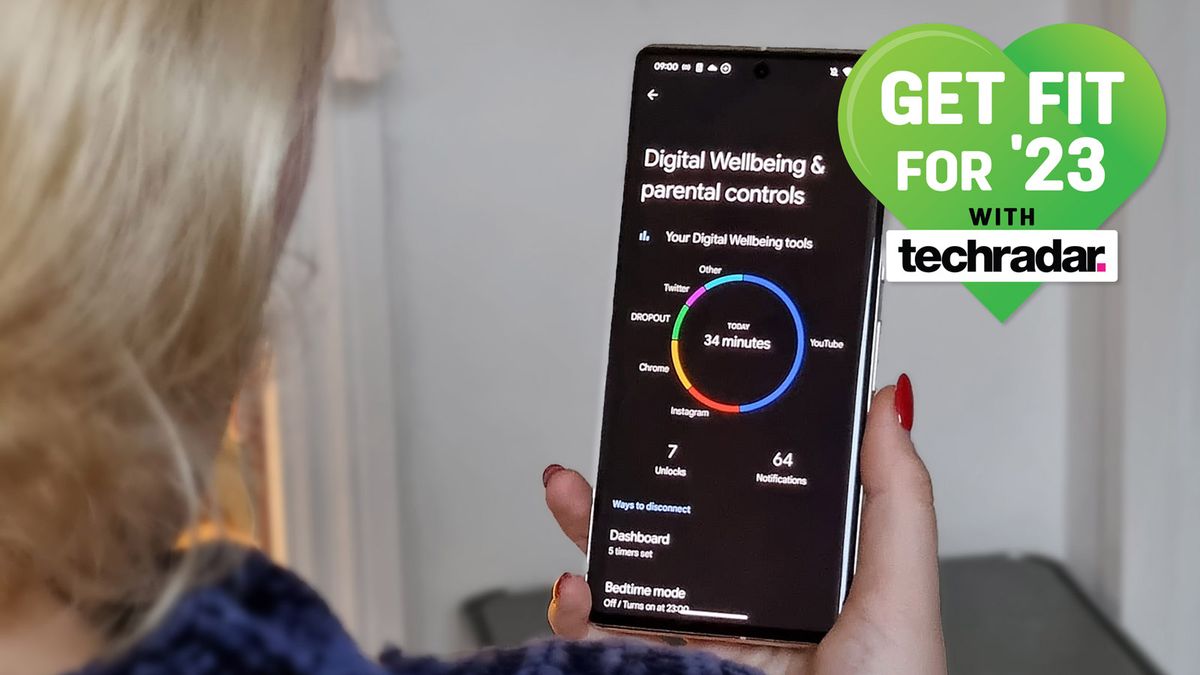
pixel 263 619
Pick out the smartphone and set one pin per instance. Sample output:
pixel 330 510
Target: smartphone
pixel 741 351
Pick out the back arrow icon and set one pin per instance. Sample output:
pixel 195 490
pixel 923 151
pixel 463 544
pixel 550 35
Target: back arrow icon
pixel 652 94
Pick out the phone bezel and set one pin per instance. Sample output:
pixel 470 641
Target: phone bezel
pixel 740 632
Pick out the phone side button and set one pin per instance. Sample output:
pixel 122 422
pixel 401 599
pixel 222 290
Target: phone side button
pixel 875 352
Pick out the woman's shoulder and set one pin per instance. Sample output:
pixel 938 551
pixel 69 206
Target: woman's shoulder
pixel 557 657
pixel 262 618
pixel 257 618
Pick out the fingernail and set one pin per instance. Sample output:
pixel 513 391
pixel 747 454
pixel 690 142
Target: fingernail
pixel 557 584
pixel 550 471
pixel 903 400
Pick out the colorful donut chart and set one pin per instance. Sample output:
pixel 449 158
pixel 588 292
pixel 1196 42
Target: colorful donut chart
pixel 787 381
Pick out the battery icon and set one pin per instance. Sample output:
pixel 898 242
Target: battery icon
pixel 699 66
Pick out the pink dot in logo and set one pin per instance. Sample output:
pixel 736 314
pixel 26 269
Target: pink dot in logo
pixel 1100 267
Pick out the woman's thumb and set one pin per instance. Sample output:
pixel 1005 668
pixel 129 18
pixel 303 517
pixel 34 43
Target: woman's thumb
pixel 896 581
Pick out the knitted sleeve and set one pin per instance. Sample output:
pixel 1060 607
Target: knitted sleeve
pixel 571 658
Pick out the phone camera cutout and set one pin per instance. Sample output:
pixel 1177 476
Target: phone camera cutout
pixel 761 70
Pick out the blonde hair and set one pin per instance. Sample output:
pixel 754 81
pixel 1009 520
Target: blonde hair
pixel 142 144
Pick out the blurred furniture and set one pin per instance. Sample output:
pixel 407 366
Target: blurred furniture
pixel 504 618
pixel 1003 615
pixel 1006 615
pixel 507 619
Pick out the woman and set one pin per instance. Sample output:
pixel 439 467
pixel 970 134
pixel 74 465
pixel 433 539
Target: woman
pixel 152 156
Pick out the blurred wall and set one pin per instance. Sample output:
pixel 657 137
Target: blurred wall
pixel 505 134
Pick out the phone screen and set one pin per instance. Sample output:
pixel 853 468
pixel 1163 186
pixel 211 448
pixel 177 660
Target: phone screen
pixel 740 350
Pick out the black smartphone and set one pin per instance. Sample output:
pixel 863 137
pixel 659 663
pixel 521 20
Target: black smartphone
pixel 741 351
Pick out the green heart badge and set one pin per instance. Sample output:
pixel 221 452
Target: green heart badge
pixel 1054 132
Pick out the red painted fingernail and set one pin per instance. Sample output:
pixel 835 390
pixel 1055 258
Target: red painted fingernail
pixel 550 471
pixel 557 584
pixel 903 400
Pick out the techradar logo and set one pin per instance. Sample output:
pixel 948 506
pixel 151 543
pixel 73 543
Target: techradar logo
pixel 1018 255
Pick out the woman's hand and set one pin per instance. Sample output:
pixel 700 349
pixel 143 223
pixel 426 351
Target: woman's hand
pixel 891 622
